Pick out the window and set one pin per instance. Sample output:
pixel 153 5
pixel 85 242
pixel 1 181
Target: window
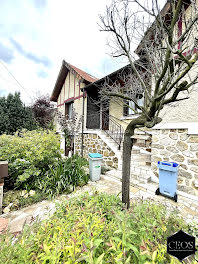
pixel 128 111
pixel 69 110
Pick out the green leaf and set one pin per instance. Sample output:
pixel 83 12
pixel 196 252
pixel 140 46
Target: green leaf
pixel 97 242
pixel 135 250
pixel 99 259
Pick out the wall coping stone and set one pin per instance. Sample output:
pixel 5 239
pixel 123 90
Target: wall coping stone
pixel 191 126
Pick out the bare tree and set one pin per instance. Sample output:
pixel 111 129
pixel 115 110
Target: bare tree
pixel 162 67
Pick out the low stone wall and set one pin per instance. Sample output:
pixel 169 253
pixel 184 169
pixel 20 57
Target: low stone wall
pixel 176 145
pixel 94 144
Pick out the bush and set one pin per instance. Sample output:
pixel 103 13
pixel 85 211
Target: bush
pixel 30 155
pixel 95 229
pixel 63 175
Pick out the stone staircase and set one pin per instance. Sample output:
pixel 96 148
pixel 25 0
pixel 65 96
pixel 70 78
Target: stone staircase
pixel 140 157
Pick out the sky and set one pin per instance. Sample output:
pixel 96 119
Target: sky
pixel 36 35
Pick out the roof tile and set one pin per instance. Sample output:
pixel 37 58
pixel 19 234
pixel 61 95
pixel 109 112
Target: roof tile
pixel 83 74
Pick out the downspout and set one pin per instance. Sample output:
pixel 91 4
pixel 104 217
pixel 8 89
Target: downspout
pixel 83 112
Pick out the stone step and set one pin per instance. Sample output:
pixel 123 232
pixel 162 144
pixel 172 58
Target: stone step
pixel 141 137
pixel 137 180
pixel 141 157
pixel 138 163
pixel 142 144
pixel 138 175
pixel 135 151
pixel 141 170
pixel 115 173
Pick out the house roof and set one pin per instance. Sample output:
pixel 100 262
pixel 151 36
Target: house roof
pixel 65 68
pixel 112 76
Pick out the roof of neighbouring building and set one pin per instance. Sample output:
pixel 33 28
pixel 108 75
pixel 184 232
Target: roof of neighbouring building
pixel 65 68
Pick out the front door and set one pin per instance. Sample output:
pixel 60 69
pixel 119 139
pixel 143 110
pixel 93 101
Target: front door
pixel 93 113
pixel 105 115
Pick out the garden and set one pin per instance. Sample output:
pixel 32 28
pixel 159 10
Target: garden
pixel 36 168
pixel 96 229
pixel 30 144
pixel 91 228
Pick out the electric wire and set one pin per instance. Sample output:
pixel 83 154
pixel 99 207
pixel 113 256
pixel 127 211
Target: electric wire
pixel 16 80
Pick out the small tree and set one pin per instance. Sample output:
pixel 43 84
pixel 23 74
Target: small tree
pixel 43 112
pixel 14 115
pixel 165 71
pixel 69 126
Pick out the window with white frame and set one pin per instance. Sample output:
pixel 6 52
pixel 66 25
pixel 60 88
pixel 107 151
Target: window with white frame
pixel 69 110
pixel 128 110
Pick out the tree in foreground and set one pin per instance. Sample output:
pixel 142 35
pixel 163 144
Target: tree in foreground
pixel 162 69
pixel 14 115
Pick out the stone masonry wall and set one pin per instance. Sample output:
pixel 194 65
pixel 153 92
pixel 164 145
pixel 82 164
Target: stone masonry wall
pixel 176 145
pixel 94 144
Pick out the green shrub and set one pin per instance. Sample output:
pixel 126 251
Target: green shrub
pixel 96 229
pixel 63 175
pixel 14 115
pixel 29 155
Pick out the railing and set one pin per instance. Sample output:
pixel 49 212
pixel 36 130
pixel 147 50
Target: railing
pixel 114 129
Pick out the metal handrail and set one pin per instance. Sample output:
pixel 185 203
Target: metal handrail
pixel 115 130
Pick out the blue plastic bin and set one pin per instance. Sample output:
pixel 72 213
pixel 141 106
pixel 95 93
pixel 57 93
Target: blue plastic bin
pixel 168 172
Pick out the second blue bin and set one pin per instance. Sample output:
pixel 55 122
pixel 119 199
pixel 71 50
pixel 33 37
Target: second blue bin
pixel 168 172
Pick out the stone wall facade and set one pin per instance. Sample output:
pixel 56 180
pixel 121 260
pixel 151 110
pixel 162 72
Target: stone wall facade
pixel 94 144
pixel 176 145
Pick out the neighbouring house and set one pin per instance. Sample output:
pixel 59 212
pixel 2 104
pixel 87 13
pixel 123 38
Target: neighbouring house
pixel 174 139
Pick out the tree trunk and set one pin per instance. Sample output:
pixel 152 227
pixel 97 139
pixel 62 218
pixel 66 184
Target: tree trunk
pixel 126 158
pixel 126 166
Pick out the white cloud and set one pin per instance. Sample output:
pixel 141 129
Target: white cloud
pixel 55 30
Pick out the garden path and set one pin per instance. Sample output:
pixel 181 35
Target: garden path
pixel 15 221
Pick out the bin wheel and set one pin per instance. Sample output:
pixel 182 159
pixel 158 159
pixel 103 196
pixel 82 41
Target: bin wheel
pixel 157 192
pixel 175 197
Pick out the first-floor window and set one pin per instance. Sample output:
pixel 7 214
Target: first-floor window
pixel 69 110
pixel 127 109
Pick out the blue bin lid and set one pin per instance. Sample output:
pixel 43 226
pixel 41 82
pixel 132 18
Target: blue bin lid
pixel 95 155
pixel 166 163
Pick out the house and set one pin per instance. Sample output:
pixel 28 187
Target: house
pixel 104 122
pixel 67 92
pixel 174 139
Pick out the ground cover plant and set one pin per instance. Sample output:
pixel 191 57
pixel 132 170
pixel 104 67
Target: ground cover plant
pixel 96 229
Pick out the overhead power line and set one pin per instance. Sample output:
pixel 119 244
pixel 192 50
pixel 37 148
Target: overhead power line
pixel 16 79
